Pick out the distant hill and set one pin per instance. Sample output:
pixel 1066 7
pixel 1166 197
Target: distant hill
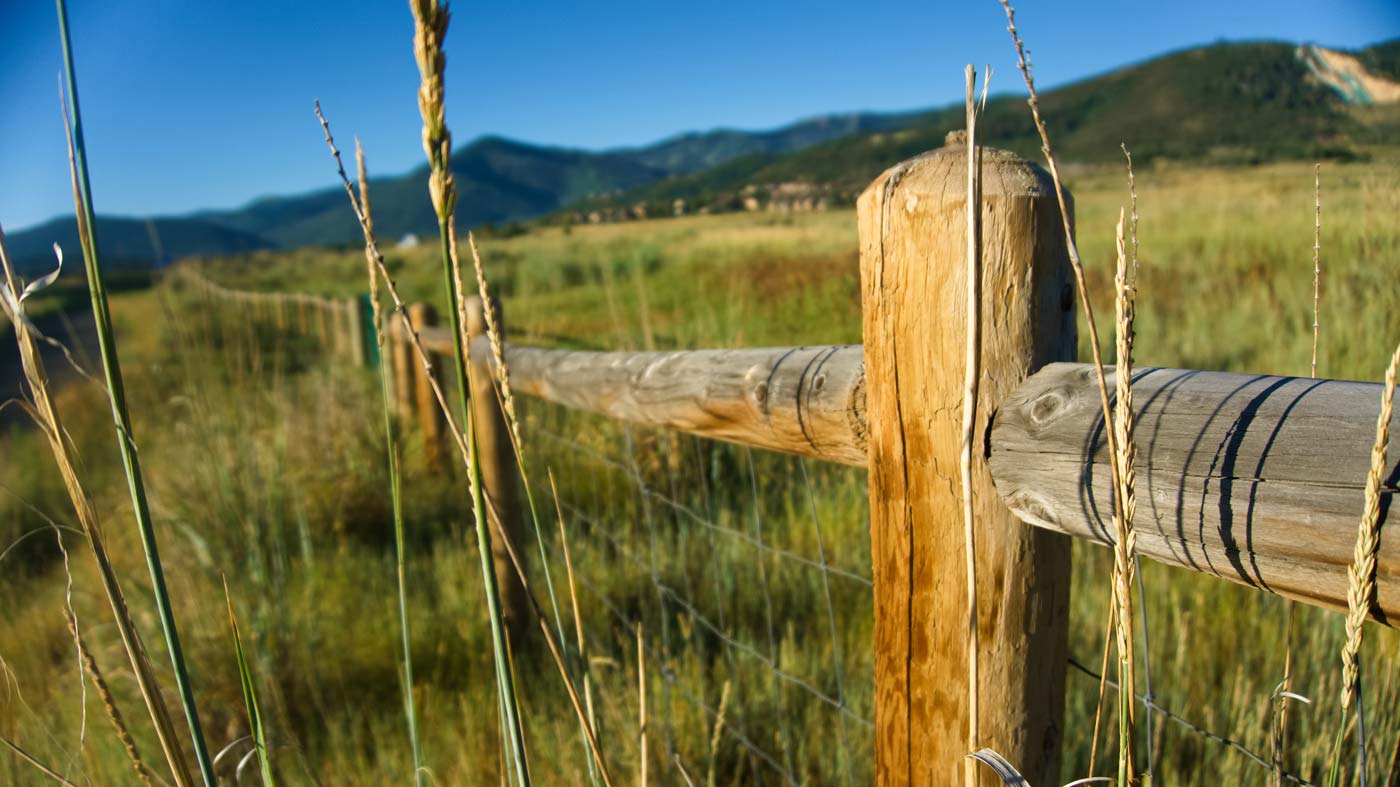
pixel 497 180
pixel 1229 103
pixel 1383 59
pixel 1235 103
pixel 127 244
pixel 688 153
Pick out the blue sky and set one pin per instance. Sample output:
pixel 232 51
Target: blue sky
pixel 191 105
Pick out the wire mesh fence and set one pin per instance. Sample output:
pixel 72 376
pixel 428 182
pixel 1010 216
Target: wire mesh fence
pixel 749 574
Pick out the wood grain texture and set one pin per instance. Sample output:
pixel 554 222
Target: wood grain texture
pixel 798 400
pixel 1255 479
pixel 913 264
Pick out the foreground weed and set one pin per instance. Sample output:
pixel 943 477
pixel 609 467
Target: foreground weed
pixel 126 441
pixel 391 442
pixel 250 696
pixel 46 416
pixel 430 27
pixel 1361 577
pixel 1123 481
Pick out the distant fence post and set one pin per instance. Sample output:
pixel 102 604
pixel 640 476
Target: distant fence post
pixel 429 415
pixel 399 351
pixel 323 324
pixel 913 245
pixel 354 328
pixel 499 474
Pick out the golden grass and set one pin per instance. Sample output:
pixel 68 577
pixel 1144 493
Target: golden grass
pixel 286 451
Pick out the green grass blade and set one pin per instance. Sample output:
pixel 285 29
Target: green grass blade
pixel 391 438
pixel 117 398
pixel 250 697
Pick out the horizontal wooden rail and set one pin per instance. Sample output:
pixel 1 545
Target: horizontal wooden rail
pixel 799 400
pixel 1255 479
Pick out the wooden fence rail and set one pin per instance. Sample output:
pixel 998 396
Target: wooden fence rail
pixel 1255 479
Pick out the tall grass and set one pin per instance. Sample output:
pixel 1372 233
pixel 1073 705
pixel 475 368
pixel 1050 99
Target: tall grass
pixel 392 451
pixel 1118 438
pixel 250 699
pixel 121 418
pixel 430 28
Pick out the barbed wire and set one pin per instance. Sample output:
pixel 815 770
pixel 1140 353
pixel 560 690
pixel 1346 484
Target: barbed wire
pixel 1193 727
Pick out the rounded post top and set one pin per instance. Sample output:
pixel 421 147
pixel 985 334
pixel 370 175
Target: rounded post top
pixel 942 173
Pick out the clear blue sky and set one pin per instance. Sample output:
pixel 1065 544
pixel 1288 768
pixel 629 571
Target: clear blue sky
pixel 192 104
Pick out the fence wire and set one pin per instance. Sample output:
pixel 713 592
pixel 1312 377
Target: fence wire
pixel 747 570
pixel 749 573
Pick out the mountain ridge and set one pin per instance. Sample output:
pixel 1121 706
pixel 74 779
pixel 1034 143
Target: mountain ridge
pixel 1227 102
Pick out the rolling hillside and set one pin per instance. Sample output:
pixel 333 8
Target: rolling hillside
pixel 1227 103
pixel 127 244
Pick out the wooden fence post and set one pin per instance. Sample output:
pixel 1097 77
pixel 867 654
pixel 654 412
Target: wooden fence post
pixel 399 351
pixel 499 474
pixel 913 258
pixel 354 323
pixel 429 414
pixel 323 324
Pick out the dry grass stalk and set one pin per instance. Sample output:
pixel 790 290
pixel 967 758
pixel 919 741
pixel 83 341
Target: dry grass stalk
pixel 39 766
pixel 1317 261
pixel 429 29
pixel 554 652
pixel 109 703
pixel 41 407
pixel 715 733
pixel 430 19
pixel 1103 686
pixel 641 708
pixel 1361 575
pixel 395 480
pixel 1125 544
pixel 680 766
pixel 400 308
pixel 971 377
pixel 457 434
pixel 493 333
pixel 1122 524
pixel 1071 247
pixel 1280 732
pixel 578 618
pixel 116 397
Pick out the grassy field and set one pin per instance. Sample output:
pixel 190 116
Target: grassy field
pixel 265 465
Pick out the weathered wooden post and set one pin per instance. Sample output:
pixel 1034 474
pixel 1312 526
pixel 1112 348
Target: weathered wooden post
pixel 400 349
pixel 499 473
pixel 356 349
pixel 303 321
pixel 913 259
pixel 429 414
pixel 323 324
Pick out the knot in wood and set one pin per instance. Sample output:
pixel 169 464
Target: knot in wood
pixel 1046 407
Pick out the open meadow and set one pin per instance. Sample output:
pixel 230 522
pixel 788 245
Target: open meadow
pixel 749 571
